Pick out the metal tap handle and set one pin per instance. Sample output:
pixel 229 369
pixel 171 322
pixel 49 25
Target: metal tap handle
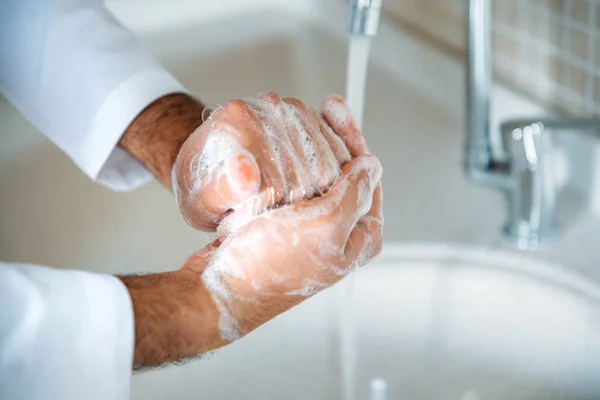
pixel 532 196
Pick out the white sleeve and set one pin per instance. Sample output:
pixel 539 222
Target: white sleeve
pixel 63 335
pixel 81 79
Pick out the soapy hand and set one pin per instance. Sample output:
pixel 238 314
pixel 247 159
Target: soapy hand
pixel 252 155
pixel 283 256
pixel 300 222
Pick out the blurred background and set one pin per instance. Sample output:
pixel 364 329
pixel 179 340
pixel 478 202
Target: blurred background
pixel 547 49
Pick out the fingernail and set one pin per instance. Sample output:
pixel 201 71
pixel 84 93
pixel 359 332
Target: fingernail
pixel 332 98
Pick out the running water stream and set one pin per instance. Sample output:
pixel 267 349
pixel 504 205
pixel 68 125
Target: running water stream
pixel 358 60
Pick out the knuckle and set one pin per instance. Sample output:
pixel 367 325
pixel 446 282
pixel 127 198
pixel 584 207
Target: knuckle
pixel 231 108
pixel 294 102
pixel 271 97
pixel 332 99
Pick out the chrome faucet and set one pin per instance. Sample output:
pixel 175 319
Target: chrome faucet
pixel 364 17
pixel 513 157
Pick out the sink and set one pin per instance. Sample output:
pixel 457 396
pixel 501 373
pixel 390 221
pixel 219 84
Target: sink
pixel 449 322
pixel 448 311
pixel 435 321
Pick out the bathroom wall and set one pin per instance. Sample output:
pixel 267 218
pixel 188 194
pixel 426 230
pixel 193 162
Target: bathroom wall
pixel 548 49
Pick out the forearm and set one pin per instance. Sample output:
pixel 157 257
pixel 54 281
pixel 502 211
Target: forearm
pixel 157 133
pixel 175 317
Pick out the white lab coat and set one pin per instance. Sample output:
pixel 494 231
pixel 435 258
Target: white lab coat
pixel 80 78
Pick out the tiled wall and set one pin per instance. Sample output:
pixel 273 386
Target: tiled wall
pixel 548 49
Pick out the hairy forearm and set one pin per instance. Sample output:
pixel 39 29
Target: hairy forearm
pixel 157 133
pixel 175 317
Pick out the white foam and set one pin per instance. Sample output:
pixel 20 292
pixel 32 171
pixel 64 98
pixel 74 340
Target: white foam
pixel 249 228
pixel 218 148
pixel 266 229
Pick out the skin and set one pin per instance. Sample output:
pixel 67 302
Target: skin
pixel 156 135
pixel 285 248
pixel 271 140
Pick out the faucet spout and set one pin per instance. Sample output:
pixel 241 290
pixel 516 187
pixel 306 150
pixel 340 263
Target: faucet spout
pixel 364 17
pixel 515 157
pixel 479 152
pixel 532 198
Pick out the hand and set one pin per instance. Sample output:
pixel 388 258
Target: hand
pixel 274 262
pixel 283 256
pixel 252 155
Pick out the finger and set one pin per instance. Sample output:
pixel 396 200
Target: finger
pixel 254 136
pixel 335 143
pixel 323 165
pixel 234 181
pixel 214 173
pixel 242 215
pixel 338 116
pixel 200 259
pixel 222 164
pixel 365 241
pixel 278 121
pixel 348 200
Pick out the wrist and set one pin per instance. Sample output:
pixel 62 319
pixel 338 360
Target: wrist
pixel 174 317
pixel 155 136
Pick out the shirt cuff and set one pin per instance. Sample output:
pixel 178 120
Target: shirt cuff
pixel 100 157
pixel 64 335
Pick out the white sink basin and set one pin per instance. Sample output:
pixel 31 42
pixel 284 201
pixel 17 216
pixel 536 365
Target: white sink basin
pixel 436 321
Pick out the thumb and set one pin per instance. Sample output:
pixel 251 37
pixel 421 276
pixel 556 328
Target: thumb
pixel 200 259
pixel 236 179
pixel 348 200
pixel 213 187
